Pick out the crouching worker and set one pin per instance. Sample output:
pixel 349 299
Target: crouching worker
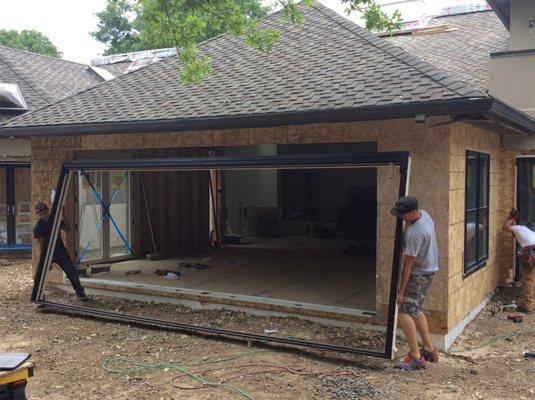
pixel 420 262
pixel 41 232
pixel 526 239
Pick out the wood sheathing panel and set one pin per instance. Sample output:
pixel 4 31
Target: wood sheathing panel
pixel 465 293
pixel 434 164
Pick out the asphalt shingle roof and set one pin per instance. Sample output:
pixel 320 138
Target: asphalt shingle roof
pixel 463 53
pixel 325 63
pixel 42 79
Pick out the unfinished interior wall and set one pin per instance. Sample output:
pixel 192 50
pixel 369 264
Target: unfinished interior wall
pixel 428 146
pixel 465 293
pixel 249 193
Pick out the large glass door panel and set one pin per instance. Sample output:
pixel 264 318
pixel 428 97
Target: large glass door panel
pixel 3 208
pixel 90 217
pixel 119 226
pixel 22 206
pixel 15 206
pixel 103 216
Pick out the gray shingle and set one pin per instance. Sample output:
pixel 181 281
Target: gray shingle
pixel 299 74
pixel 42 79
pixel 463 53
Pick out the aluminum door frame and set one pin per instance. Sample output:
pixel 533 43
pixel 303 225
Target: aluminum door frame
pixel 322 161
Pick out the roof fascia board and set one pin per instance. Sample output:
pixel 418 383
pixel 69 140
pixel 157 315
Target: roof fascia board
pixel 409 110
pixel 511 117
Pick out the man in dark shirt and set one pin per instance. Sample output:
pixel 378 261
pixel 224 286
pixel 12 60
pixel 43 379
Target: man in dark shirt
pixel 41 232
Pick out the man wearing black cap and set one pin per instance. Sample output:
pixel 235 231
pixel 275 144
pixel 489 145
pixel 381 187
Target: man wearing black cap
pixel 41 232
pixel 420 262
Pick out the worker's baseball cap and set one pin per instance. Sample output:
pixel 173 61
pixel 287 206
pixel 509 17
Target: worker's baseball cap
pixel 40 206
pixel 404 205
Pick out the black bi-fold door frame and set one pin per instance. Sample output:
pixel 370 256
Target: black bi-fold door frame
pixel 400 159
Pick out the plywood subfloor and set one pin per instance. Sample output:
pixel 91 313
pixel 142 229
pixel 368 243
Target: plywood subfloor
pixel 310 272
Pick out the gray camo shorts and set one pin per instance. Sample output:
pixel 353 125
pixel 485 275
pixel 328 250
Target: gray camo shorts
pixel 415 294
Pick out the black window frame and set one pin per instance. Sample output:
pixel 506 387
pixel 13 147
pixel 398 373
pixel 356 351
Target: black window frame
pixel 480 259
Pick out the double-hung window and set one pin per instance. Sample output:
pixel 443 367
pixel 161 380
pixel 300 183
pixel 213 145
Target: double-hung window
pixel 476 221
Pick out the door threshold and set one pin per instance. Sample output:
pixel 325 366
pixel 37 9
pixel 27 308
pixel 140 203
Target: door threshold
pixel 210 296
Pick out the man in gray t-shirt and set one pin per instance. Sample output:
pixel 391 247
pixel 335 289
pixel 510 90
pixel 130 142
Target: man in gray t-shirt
pixel 420 262
pixel 421 243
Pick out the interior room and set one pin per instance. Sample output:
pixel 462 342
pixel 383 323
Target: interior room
pixel 302 237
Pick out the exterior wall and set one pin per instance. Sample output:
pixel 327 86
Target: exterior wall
pixel 506 246
pixel 15 150
pixel 522 34
pixel 466 293
pixel 511 73
pixel 512 79
pixel 429 147
pixel 508 201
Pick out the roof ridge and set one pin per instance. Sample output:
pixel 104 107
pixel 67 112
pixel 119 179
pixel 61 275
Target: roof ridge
pixel 24 79
pixel 462 13
pixel 396 52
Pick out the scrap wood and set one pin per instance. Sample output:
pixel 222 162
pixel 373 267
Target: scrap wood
pixel 194 266
pixel 133 272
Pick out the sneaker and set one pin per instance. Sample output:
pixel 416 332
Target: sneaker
pixel 524 310
pixel 431 356
pixel 410 363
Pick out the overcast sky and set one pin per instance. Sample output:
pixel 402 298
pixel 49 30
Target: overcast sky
pixel 68 22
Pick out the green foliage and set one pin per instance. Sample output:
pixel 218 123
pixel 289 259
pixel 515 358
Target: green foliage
pixel 116 27
pixel 146 24
pixel 132 25
pixel 29 40
pixel 374 17
pixel 290 11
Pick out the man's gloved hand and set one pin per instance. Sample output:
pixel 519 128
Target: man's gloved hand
pixel 514 214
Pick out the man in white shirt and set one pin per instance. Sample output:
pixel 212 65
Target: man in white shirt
pixel 526 239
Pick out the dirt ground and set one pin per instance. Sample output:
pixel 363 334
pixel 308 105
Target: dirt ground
pixel 91 359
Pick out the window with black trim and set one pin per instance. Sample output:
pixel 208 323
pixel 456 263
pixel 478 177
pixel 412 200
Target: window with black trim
pixel 476 217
